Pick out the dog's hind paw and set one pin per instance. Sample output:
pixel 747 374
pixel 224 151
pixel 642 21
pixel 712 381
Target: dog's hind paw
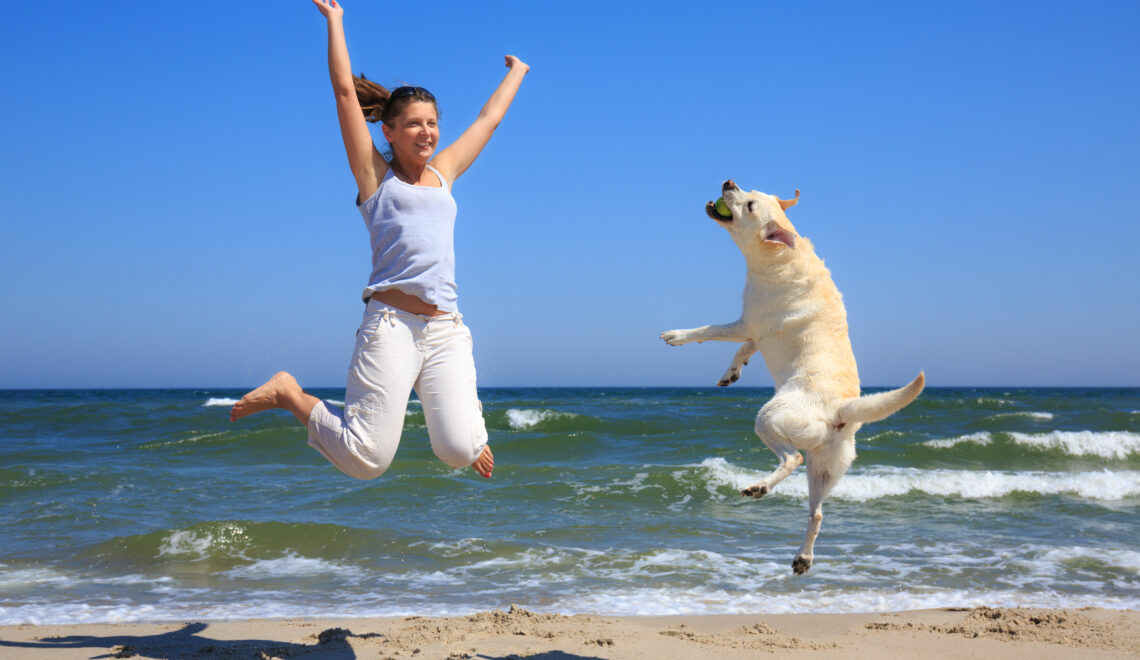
pixel 801 564
pixel 756 491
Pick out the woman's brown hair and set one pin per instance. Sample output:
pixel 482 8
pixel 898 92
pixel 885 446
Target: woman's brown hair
pixel 378 103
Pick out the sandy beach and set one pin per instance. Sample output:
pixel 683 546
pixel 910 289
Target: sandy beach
pixel 519 633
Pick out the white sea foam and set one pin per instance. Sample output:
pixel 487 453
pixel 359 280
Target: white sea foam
pixel 41 579
pixel 632 485
pixel 878 482
pixel 632 601
pixel 212 402
pixel 535 558
pixel 456 548
pixel 14 579
pixel 982 438
pixel 524 419
pixel 623 581
pixel 662 602
pixel 185 542
pixel 228 538
pixel 1129 560
pixel 293 565
pixel 227 402
pixel 1106 444
pixel 993 401
pixel 1031 415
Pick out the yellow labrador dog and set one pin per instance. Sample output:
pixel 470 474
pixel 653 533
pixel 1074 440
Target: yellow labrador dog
pixel 794 316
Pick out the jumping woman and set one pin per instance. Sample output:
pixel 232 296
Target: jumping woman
pixel 412 335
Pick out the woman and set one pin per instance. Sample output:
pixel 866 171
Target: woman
pixel 412 335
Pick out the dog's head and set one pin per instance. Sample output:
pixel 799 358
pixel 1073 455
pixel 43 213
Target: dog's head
pixel 757 222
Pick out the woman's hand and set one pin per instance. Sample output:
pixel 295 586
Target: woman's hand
pixel 329 8
pixel 512 62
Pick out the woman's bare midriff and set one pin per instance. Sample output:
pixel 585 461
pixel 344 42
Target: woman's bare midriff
pixel 406 302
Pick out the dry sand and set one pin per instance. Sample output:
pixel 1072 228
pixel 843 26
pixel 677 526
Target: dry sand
pixel 950 633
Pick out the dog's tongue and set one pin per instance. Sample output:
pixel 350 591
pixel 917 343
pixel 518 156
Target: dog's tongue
pixel 782 236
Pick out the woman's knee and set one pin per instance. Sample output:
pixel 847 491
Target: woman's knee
pixel 457 455
pixel 371 453
pixel 364 471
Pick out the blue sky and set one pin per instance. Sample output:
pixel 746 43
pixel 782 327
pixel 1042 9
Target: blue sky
pixel 178 211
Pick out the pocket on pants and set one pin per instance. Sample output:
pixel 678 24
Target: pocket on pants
pixel 369 326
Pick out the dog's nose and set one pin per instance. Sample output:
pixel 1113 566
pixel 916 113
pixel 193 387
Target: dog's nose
pixel 728 185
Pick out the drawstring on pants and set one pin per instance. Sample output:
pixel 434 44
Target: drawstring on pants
pixel 390 315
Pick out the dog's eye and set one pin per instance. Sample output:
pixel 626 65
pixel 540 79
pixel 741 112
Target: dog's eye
pixel 750 203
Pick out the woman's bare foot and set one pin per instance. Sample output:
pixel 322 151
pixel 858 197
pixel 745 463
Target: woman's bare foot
pixel 485 463
pixel 277 392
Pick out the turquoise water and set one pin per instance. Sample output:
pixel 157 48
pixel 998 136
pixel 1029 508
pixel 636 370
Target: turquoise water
pixel 137 505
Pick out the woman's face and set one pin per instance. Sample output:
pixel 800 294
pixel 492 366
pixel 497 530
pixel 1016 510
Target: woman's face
pixel 415 133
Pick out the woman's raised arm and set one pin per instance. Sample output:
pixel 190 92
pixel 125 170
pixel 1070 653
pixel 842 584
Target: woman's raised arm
pixel 458 156
pixel 368 166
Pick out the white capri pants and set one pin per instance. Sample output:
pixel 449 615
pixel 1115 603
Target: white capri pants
pixel 395 352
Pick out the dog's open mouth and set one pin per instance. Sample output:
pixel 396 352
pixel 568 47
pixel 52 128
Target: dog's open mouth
pixel 710 209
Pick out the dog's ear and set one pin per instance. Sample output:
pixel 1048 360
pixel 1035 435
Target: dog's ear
pixel 782 236
pixel 786 204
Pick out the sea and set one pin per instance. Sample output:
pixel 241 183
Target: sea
pixel 150 505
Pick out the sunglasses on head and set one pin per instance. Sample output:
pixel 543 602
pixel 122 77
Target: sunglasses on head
pixel 401 92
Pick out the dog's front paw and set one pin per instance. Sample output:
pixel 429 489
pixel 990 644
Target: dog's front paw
pixel 675 337
pixel 801 564
pixel 729 377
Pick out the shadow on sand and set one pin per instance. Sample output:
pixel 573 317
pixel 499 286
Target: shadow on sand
pixel 186 642
pixel 542 655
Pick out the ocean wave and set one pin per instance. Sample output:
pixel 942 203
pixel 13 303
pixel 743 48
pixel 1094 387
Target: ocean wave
pixel 458 547
pixel 696 601
pixel 1111 444
pixel 994 401
pixel 16 578
pixel 1128 560
pixel 535 558
pixel 1117 445
pixel 229 402
pixel 636 483
pixel 525 419
pixel 609 581
pixel 219 401
pixel 186 542
pixel 879 482
pixel 982 438
pixel 1032 415
pixel 293 565
pixel 207 541
pixel 632 601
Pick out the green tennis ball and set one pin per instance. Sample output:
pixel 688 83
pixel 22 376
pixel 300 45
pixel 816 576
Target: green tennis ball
pixel 722 208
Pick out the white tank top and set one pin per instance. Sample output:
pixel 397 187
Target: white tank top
pixel 412 229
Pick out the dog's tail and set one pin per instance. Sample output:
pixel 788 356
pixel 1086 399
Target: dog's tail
pixel 881 405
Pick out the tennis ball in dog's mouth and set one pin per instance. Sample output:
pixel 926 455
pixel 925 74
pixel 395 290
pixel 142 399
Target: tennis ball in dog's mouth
pixel 722 208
